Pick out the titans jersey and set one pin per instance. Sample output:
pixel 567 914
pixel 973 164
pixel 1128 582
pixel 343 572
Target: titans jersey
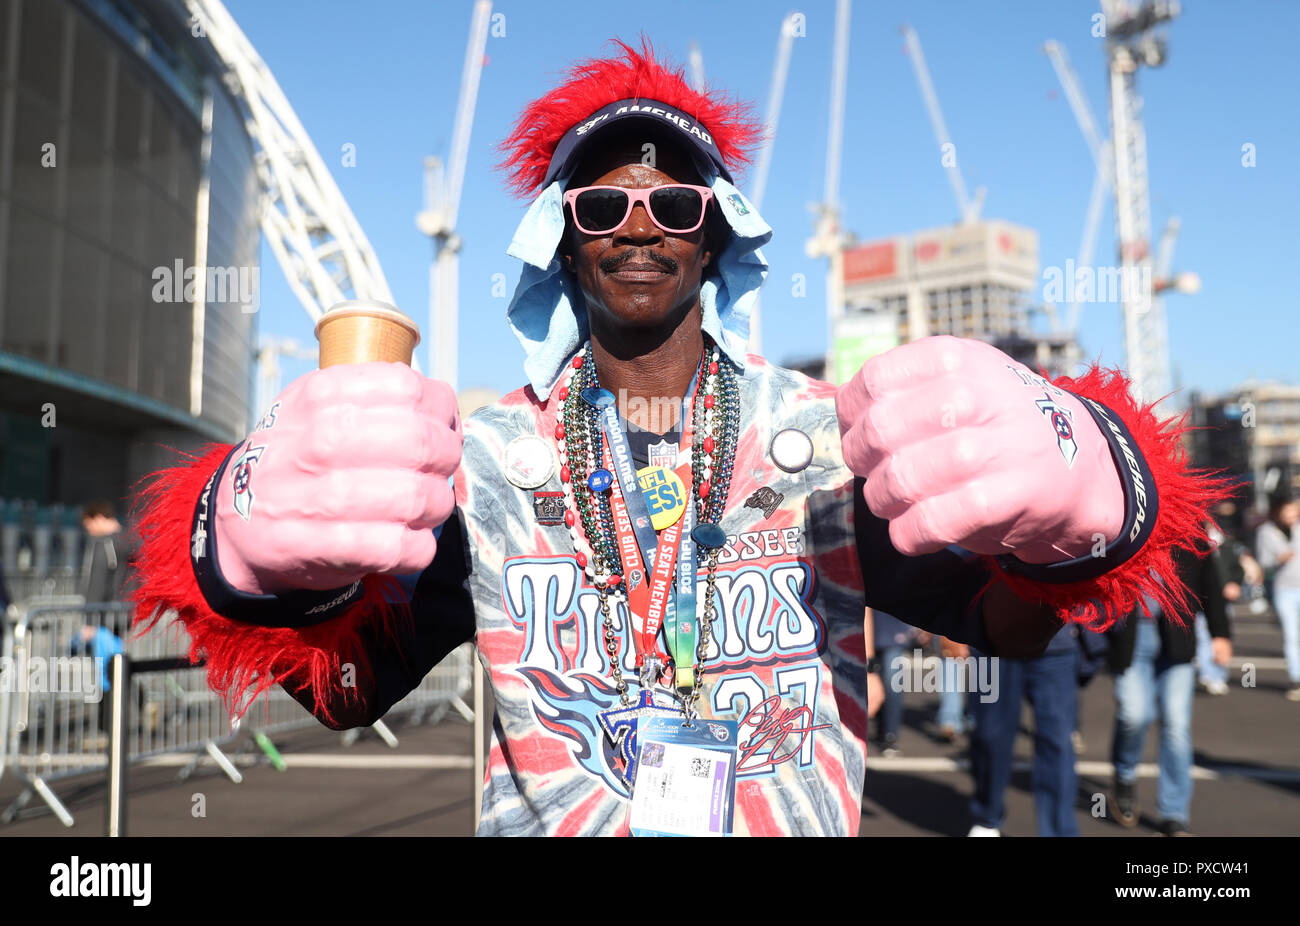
pixel 787 659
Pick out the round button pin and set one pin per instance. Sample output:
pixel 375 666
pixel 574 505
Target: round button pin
pixel 665 495
pixel 792 450
pixel 600 480
pixel 600 398
pixel 528 462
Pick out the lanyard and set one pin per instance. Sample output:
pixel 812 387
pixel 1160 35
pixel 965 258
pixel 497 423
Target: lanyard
pixel 680 626
pixel 649 573
pixel 649 561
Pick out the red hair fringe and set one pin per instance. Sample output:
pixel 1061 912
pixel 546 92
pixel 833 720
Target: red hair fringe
pixel 598 82
pixel 244 660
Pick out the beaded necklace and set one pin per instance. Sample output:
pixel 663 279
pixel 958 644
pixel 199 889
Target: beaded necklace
pixel 588 513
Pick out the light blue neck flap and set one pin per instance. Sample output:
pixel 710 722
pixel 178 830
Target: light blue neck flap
pixel 548 314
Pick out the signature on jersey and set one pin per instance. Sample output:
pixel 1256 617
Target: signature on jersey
pixel 773 726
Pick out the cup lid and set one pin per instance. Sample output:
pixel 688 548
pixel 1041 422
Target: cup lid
pixel 371 308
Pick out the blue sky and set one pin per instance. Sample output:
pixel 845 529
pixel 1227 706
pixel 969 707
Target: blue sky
pixel 384 76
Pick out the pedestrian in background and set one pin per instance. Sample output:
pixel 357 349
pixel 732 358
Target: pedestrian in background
pixel 108 553
pixel 1049 682
pixel 1155 677
pixel 875 684
pixel 892 636
pixel 101 645
pixel 1212 676
pixel 952 718
pixel 1276 543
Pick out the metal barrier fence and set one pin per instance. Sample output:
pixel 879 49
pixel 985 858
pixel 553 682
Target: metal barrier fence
pixel 56 700
pixel 54 709
pixel 443 689
pixel 30 588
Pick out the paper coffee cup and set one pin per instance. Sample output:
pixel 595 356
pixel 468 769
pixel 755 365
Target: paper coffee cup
pixel 361 331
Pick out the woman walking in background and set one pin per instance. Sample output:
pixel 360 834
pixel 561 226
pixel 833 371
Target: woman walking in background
pixel 1276 545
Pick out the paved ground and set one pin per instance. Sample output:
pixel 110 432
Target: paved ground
pixel 1247 776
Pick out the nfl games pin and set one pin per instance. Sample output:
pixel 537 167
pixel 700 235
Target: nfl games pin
pixel 549 508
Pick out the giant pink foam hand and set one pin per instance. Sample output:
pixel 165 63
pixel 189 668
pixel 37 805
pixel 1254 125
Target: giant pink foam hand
pixel 346 475
pixel 960 444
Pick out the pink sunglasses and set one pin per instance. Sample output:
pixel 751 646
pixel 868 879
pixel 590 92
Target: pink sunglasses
pixel 677 208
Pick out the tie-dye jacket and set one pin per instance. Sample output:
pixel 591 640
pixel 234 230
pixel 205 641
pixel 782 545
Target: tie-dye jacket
pixel 788 655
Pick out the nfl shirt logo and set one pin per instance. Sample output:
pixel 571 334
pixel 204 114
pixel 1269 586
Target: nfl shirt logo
pixel 663 454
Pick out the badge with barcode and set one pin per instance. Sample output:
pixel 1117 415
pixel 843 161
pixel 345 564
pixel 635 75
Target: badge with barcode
pixel 686 778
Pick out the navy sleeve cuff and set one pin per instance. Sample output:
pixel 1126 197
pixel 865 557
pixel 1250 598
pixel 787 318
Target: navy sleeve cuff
pixel 298 608
pixel 1141 504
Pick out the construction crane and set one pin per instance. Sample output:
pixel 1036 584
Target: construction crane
pixel 968 209
pixel 1129 45
pixel 828 238
pixel 1185 282
pixel 775 96
pixel 1102 180
pixel 442 190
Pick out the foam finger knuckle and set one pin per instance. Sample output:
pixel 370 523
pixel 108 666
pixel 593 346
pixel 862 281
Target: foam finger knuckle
pixel 386 543
pixel 438 499
pixel 417 549
pixel 891 484
pixel 444 447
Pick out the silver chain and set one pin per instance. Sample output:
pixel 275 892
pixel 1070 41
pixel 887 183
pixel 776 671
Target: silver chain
pixel 691 702
pixel 611 647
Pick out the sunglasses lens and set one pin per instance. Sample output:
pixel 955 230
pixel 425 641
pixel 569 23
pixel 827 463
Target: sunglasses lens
pixel 600 210
pixel 677 208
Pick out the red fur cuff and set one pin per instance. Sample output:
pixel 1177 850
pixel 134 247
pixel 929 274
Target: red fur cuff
pixel 245 659
pixel 1183 499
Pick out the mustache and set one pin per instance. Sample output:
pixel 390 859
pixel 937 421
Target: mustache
pixel 612 264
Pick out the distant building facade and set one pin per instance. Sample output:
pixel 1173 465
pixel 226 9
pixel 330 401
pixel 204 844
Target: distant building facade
pixel 974 280
pixel 129 242
pixel 1252 433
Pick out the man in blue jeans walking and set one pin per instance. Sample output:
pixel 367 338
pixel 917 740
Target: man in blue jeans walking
pixel 1049 682
pixel 1153 659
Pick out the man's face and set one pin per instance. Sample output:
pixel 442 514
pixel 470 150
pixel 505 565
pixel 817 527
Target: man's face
pixel 638 275
pixel 97 525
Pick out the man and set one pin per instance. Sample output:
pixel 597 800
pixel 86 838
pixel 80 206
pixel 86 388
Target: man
pixel 705 578
pixel 1152 657
pixel 890 638
pixel 1048 682
pixel 109 550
